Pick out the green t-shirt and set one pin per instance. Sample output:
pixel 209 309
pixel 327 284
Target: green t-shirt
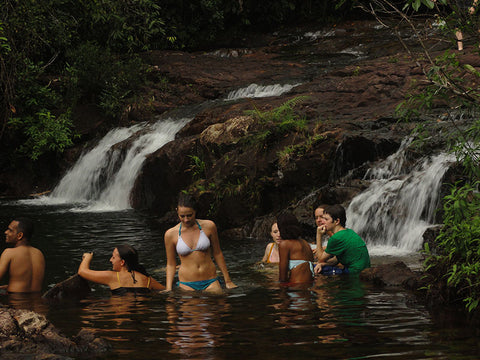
pixel 350 250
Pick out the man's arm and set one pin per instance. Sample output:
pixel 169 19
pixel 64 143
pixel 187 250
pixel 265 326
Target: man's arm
pixel 322 261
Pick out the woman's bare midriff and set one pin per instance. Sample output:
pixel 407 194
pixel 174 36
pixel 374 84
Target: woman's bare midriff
pixel 197 266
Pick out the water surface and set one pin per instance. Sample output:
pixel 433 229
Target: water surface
pixel 337 318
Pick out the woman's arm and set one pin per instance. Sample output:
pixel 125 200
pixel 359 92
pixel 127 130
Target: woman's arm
pixel 99 277
pixel 155 285
pixel 217 252
pixel 171 258
pixel 284 253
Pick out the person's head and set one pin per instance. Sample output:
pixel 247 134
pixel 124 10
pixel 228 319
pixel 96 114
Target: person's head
pixel 334 215
pixel 289 226
pixel 126 256
pixel 318 214
pixel 275 233
pixel 19 229
pixel 186 209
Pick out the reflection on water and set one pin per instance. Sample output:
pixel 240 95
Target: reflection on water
pixel 335 318
pixel 196 328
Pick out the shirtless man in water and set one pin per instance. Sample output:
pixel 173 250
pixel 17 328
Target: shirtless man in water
pixel 24 263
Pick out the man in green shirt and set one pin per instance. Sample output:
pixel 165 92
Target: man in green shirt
pixel 349 248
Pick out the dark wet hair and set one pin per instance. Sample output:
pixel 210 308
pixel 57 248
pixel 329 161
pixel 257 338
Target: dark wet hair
pixel 319 206
pixel 25 226
pixel 130 256
pixel 337 212
pixel 290 228
pixel 187 200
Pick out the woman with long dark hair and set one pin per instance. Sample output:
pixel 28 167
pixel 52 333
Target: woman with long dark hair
pixel 296 257
pixel 128 274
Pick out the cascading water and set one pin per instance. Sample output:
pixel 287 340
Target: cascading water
pixel 103 177
pixel 397 208
pixel 257 91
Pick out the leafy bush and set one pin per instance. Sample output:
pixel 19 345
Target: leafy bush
pixel 458 246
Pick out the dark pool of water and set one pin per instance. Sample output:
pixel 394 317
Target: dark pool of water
pixel 337 318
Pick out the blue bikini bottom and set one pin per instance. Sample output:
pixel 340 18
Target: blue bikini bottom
pixel 198 285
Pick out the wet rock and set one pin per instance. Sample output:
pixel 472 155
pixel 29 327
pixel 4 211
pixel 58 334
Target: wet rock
pixel 228 132
pixel 75 287
pixel 393 274
pixel 26 334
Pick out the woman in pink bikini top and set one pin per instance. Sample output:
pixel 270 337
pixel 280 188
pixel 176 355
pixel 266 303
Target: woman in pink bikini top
pixel 195 241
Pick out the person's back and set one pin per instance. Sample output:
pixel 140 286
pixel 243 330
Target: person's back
pixel 26 269
pixel 296 256
pixel 300 260
pixel 24 263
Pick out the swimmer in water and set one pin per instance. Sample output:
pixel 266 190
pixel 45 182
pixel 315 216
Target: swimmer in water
pixel 24 264
pixel 126 276
pixel 195 241
pixel 296 257
pixel 271 251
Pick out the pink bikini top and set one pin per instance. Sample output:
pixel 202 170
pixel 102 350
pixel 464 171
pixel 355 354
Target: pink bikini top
pixel 183 249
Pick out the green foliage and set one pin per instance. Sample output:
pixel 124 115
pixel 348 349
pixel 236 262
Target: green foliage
pixel 96 75
pixel 44 133
pixel 458 245
pixel 4 45
pixel 126 26
pixel 198 168
pixel 291 151
pixel 277 122
pixel 55 54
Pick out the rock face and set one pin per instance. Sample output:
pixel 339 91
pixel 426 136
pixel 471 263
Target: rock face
pixel 242 166
pixel 249 168
pixel 26 334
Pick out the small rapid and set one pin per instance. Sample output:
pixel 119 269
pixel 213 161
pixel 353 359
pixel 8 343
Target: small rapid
pixel 103 177
pixel 399 205
pixel 258 91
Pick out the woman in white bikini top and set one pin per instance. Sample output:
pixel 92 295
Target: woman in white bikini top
pixel 195 241
pixel 203 243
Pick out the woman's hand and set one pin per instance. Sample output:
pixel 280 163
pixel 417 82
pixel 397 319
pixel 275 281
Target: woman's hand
pixel 230 285
pixel 87 256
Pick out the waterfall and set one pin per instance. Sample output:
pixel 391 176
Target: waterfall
pixel 393 213
pixel 103 177
pixel 256 91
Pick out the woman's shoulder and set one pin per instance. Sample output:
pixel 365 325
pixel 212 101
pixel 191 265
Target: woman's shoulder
pixel 206 224
pixel 172 230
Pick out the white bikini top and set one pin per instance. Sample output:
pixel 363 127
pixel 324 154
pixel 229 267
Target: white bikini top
pixel 183 249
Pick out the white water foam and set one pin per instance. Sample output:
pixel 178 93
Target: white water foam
pixel 258 91
pixel 103 178
pixel 319 34
pixel 396 209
